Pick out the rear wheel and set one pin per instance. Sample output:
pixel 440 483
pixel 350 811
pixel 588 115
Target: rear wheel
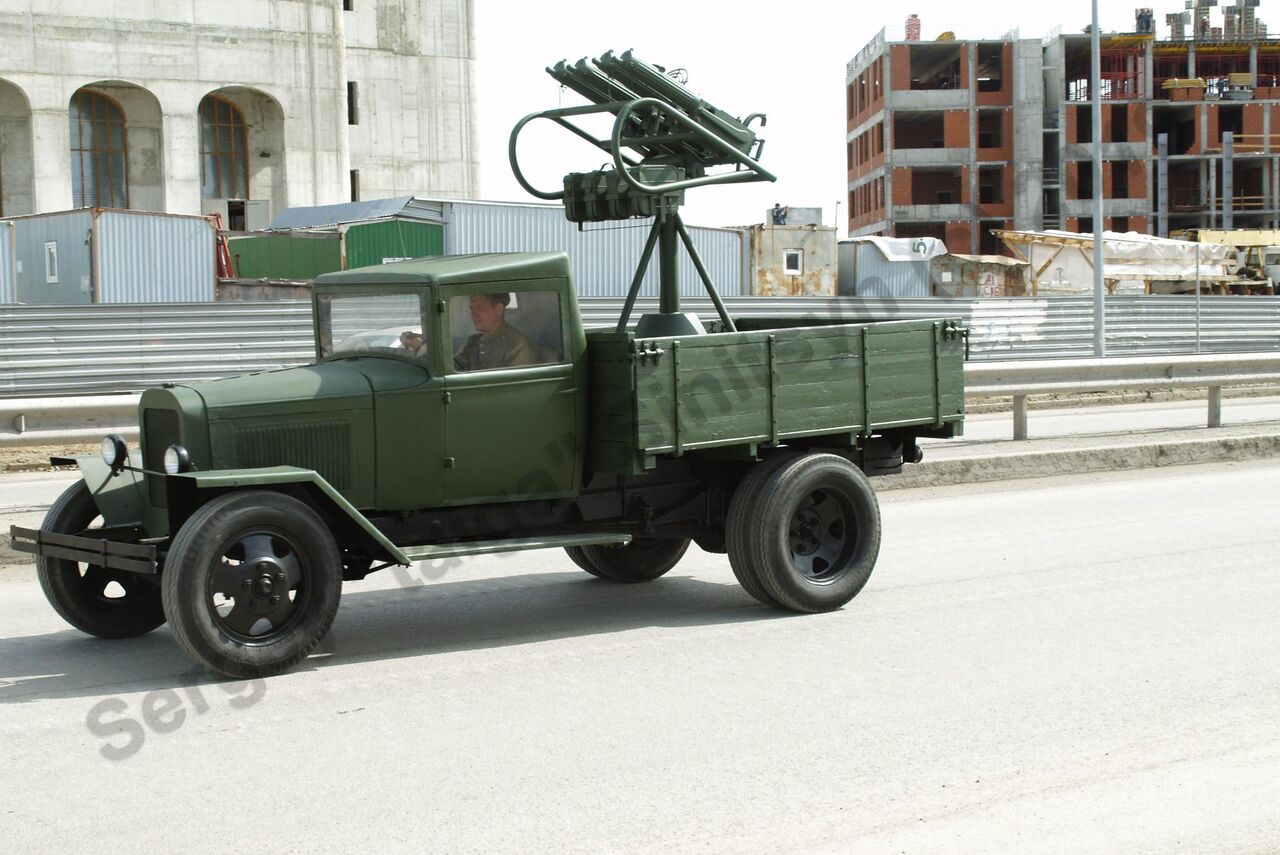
pixel 740 524
pixel 101 602
pixel 251 584
pixel 817 533
pixel 642 560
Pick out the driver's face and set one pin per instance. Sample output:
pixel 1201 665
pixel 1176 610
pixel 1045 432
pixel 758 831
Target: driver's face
pixel 486 314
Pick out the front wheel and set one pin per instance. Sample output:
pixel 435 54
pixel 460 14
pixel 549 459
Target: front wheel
pixel 251 584
pixel 93 599
pixel 642 560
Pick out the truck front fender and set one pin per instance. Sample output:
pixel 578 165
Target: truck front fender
pixel 121 497
pixel 188 490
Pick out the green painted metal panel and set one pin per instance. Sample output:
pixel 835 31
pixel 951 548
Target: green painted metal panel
pixel 368 244
pixel 736 389
pixel 285 256
pixel 228 479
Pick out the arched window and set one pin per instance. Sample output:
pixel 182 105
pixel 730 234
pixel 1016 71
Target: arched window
pixel 224 150
pixel 98 152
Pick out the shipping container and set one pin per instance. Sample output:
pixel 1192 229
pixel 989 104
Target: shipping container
pixel 887 267
pixel 979 276
pixel 289 256
pixel 153 258
pixel 302 255
pixel 53 258
pixel 6 262
pixel 96 255
pixel 793 261
pixel 603 256
pixel 366 244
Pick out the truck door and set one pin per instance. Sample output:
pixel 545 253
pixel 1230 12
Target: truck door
pixel 511 394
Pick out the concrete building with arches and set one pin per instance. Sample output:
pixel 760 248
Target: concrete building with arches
pixel 243 107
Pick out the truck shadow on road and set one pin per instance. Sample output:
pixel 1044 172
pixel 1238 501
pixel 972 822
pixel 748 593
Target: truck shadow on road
pixel 434 619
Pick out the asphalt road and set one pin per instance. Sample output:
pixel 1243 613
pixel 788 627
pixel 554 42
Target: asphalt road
pixel 1080 664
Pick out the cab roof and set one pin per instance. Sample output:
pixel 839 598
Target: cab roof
pixel 453 269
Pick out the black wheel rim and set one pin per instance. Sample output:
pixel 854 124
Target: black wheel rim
pixel 109 587
pixel 822 535
pixel 258 588
pixel 112 588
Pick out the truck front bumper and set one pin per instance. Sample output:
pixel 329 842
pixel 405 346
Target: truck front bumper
pixel 99 552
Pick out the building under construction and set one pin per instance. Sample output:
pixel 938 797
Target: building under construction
pixel 951 139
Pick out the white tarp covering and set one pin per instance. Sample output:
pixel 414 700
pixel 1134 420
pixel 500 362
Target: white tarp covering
pixel 905 249
pixel 1062 262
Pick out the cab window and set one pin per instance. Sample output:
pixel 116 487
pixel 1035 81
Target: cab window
pixel 373 323
pixel 505 329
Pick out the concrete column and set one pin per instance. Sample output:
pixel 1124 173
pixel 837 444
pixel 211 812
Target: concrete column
pixel 1204 190
pixel 1275 192
pixel 888 111
pixel 1148 78
pixel 976 229
pixel 51 158
pixel 344 131
pixel 1253 63
pixel 1215 406
pixel 1212 166
pixel 1019 417
pixel 1162 171
pixel 182 163
pixel 1191 60
pixel 1228 181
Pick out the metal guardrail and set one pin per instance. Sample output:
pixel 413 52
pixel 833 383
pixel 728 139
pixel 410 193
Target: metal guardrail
pixel 1213 372
pixel 94 349
pixel 40 421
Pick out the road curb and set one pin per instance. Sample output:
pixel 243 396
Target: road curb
pixel 1071 461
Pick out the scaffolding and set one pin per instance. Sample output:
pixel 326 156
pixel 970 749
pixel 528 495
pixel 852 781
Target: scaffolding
pixel 1122 73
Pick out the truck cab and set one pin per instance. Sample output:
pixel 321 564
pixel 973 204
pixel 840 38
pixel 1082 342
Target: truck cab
pixel 486 400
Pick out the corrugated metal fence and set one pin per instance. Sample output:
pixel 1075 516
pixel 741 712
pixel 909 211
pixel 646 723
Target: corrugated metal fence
pixel 56 350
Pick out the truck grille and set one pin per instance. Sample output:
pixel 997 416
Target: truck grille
pixel 159 431
pixel 324 447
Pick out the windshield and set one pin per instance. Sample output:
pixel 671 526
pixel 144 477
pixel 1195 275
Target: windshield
pixel 373 323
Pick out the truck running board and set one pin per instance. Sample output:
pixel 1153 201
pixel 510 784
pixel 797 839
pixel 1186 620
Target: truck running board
pixel 516 544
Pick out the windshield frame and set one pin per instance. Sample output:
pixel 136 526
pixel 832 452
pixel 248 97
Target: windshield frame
pixel 321 302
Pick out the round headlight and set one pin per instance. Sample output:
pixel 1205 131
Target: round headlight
pixel 114 451
pixel 176 460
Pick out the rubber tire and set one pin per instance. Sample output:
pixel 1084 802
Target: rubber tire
pixel 204 539
pixel 136 613
pixel 642 560
pixel 770 557
pixel 740 524
pixel 579 557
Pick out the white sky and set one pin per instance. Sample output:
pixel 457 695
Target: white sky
pixel 783 59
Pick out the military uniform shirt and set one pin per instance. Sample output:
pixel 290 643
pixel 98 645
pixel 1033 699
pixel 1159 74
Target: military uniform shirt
pixel 503 348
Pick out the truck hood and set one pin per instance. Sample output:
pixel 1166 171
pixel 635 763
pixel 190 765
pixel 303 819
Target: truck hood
pixel 314 388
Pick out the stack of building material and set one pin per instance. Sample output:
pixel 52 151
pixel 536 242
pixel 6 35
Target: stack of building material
pixel 1185 89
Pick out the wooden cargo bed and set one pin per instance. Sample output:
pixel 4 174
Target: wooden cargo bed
pixel 659 396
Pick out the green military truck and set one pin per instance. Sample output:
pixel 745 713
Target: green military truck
pixel 457 406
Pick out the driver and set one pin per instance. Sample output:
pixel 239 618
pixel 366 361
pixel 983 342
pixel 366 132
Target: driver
pixel 496 344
